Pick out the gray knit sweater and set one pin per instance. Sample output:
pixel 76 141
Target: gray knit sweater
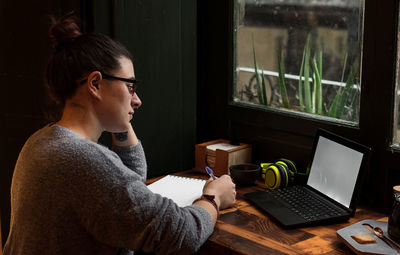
pixel 72 196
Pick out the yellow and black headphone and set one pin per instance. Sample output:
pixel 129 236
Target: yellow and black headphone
pixel 279 174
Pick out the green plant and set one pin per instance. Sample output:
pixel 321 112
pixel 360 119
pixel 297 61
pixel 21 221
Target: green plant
pixel 281 72
pixel 338 104
pixel 317 81
pixel 311 100
pixel 305 75
pixel 260 81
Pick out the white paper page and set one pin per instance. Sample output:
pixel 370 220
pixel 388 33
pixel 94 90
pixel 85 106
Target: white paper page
pixel 182 190
pixel 222 146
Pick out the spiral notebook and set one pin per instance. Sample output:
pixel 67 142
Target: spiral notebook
pixel 183 190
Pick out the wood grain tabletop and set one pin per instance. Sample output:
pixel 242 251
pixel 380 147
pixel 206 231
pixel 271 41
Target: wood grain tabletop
pixel 247 230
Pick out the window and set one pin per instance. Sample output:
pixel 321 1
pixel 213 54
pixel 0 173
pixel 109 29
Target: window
pixel 277 132
pixel 301 56
pixel 396 116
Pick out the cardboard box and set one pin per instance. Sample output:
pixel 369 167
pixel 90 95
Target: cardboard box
pixel 220 154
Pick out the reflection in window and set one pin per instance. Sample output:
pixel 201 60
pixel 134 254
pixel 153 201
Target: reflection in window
pixel 396 122
pixel 299 55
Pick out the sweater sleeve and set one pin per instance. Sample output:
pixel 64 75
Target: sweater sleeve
pixel 134 158
pixel 118 209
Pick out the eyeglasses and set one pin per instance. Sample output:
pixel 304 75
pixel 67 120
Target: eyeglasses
pixel 131 88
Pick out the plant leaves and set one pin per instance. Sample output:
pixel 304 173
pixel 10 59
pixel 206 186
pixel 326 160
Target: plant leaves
pixel 333 110
pixel 317 93
pixel 307 92
pixel 258 82
pixel 281 72
pixel 301 81
pixel 264 90
pixel 346 90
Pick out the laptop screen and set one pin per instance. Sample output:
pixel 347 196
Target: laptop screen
pixel 334 170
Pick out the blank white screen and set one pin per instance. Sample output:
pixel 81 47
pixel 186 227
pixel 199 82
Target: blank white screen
pixel 334 170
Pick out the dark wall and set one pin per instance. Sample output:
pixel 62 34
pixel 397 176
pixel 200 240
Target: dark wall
pixel 24 50
pixel 214 69
pixel 161 36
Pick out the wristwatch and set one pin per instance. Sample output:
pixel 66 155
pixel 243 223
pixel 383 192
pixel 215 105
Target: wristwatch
pixel 210 199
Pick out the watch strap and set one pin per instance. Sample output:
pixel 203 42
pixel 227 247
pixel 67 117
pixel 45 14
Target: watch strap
pixel 210 199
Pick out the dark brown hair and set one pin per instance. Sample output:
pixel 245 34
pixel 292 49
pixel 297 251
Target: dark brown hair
pixel 76 55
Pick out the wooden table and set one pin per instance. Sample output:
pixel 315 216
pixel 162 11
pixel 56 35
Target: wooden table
pixel 249 231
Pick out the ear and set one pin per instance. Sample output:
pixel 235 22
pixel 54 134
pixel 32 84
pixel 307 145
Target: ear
pixel 93 84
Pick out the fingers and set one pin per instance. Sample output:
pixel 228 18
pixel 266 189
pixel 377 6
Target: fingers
pixel 223 188
pixel 227 178
pixel 209 180
pixel 234 197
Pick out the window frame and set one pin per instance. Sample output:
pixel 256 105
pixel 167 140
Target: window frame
pixel 272 132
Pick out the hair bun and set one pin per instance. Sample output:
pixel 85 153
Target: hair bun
pixel 64 30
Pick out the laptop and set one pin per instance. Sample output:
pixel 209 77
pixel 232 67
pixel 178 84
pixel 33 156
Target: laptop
pixel 333 185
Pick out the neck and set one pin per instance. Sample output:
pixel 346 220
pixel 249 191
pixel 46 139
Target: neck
pixel 79 118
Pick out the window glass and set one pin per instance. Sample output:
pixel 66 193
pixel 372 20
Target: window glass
pixel 396 123
pixel 301 56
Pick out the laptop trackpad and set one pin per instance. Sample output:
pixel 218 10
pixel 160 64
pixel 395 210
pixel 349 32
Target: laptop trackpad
pixel 275 208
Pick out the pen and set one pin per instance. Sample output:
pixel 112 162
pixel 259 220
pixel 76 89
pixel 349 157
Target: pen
pixel 210 172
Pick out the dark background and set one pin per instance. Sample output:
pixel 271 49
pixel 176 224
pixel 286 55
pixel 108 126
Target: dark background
pixel 161 35
pixel 182 52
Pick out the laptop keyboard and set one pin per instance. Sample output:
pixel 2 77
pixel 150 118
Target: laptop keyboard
pixel 304 204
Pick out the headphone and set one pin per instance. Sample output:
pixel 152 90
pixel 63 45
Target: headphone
pixel 279 174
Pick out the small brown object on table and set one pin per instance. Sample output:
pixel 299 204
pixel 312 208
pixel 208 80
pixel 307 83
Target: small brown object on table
pixel 363 239
pixel 247 230
pixel 220 160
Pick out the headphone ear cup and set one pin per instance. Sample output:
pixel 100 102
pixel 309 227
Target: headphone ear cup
pixel 285 174
pixel 291 167
pixel 278 174
pixel 290 164
pixel 272 176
